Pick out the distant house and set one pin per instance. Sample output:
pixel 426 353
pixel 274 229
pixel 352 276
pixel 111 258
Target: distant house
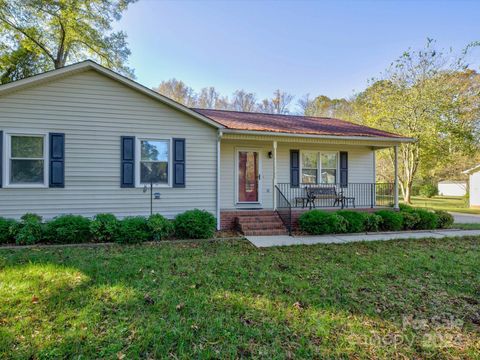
pixel 452 188
pixel 86 140
pixel 474 185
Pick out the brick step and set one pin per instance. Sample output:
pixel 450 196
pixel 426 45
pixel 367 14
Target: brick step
pixel 255 219
pixel 261 225
pixel 266 232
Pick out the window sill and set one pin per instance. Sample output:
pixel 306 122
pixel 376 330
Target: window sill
pixel 25 186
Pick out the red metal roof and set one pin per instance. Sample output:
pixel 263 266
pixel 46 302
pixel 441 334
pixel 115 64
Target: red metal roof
pixel 293 124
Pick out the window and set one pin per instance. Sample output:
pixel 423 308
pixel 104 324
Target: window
pixel 26 163
pixel 328 162
pixel 309 167
pixel 154 161
pixel 323 163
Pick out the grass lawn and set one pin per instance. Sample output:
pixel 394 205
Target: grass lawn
pixel 396 299
pixel 447 203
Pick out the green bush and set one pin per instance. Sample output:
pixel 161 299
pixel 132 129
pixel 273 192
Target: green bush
pixel 391 220
pixel 428 219
pixel 444 219
pixel 104 227
pixel 319 222
pixel 355 220
pixel 160 227
pixel 133 230
pixel 410 220
pixel 405 208
pixel 372 222
pixel 29 230
pixel 68 229
pixel 428 190
pixel 6 233
pixel 195 224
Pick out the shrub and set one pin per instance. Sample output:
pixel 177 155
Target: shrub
pixel 428 190
pixel 195 224
pixel 444 219
pixel 28 231
pixel 428 219
pixel 104 227
pixel 68 229
pixel 319 222
pixel 406 208
pixel 133 230
pixel 355 220
pixel 372 222
pixel 6 233
pixel 160 227
pixel 410 220
pixel 391 220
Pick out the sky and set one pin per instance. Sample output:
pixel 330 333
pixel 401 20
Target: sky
pixel 303 47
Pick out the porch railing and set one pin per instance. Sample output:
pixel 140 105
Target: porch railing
pixel 284 209
pixel 359 195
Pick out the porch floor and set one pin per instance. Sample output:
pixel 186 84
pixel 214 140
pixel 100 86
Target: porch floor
pixel 285 240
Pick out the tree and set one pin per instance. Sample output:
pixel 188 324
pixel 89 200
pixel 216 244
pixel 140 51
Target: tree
pixel 278 104
pixel 177 90
pixel 427 96
pixel 323 106
pixel 243 101
pixel 48 34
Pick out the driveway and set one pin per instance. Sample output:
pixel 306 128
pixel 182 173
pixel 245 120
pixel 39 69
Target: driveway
pixel 465 218
pixel 285 240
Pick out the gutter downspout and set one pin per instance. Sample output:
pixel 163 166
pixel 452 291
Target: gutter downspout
pixel 219 137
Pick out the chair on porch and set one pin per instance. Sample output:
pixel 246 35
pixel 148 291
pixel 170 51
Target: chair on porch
pixel 314 193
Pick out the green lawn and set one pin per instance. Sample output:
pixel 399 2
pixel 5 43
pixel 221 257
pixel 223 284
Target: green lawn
pixel 231 300
pixel 447 203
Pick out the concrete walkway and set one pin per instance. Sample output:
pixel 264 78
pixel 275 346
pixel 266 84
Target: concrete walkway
pixel 461 218
pixel 285 240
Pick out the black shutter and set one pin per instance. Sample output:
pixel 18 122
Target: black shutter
pixel 1 158
pixel 343 168
pixel 178 162
pixel 294 168
pixel 57 160
pixel 127 170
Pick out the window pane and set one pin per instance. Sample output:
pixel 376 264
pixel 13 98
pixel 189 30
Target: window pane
pixel 156 171
pixel 26 172
pixel 329 161
pixel 27 147
pixel 309 160
pixel 329 176
pixel 309 176
pixel 154 150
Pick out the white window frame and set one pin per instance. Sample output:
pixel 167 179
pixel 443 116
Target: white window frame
pixel 7 150
pixel 138 159
pixel 319 165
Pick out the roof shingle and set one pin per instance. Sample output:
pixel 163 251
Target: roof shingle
pixel 293 124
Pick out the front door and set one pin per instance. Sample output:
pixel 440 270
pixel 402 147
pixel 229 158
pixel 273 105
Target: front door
pixel 248 176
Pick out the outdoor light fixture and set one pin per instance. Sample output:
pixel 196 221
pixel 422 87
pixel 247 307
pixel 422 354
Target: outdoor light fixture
pixel 270 154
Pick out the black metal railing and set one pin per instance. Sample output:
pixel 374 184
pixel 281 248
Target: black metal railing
pixel 359 195
pixel 284 209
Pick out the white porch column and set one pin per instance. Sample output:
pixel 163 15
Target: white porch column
pixel 396 206
pixel 274 177
pixel 219 138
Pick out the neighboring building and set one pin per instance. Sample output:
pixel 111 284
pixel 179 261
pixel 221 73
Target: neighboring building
pixel 474 186
pixel 452 188
pixel 85 140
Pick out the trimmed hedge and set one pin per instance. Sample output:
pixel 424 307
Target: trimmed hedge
pixel 133 230
pixel 428 219
pixel 410 220
pixel 355 220
pixel 104 227
pixel 372 222
pixel 160 227
pixel 391 220
pixel 195 224
pixel 68 229
pixel 444 219
pixel 7 236
pixel 319 222
pixel 28 231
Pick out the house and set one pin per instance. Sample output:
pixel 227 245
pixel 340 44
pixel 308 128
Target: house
pixel 474 186
pixel 452 188
pixel 86 140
